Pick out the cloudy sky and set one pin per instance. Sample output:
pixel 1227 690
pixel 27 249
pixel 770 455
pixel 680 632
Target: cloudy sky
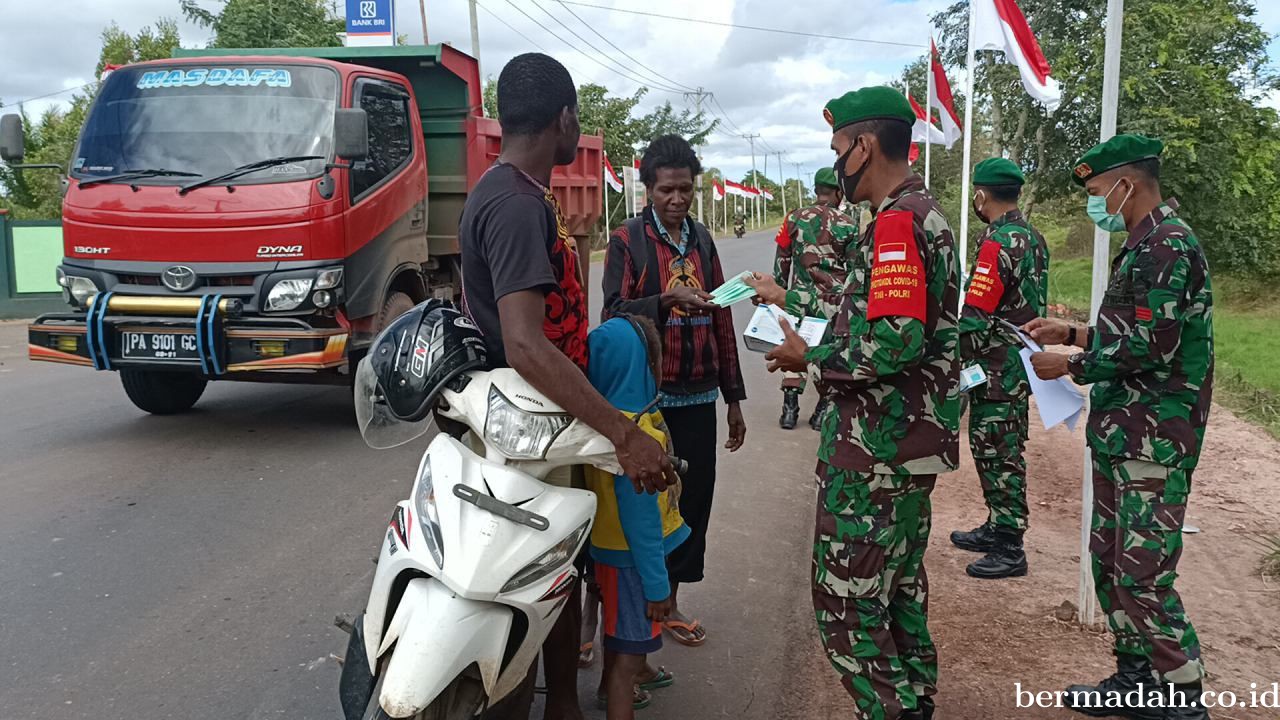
pixel 766 83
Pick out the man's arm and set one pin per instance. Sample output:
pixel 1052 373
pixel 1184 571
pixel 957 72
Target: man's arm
pixel 549 371
pixel 785 241
pixel 619 285
pixel 978 328
pixel 1160 302
pixel 641 522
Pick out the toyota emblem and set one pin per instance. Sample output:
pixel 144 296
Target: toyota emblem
pixel 179 278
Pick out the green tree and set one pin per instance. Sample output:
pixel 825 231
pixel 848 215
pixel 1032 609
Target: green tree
pixel 665 120
pixel 490 96
pixel 268 23
pixel 37 194
pixel 600 112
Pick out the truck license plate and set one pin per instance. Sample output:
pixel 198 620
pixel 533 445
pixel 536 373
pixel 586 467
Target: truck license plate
pixel 158 346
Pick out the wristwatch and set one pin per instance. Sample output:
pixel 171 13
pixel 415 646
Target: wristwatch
pixel 1071 335
pixel 1075 359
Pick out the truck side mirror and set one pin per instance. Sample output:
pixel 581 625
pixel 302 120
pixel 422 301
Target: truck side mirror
pixel 12 143
pixel 351 134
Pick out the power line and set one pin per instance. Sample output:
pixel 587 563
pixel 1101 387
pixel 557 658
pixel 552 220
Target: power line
pixel 743 27
pixel 579 50
pixel 528 39
pixel 48 95
pixel 628 55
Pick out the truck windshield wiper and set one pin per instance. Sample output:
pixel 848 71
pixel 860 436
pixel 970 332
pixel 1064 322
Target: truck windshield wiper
pixel 246 169
pixel 136 174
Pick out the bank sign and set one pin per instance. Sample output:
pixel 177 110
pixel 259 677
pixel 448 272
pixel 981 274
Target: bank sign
pixel 371 22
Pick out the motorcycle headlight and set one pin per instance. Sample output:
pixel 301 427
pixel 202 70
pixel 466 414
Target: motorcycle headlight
pixel 547 563
pixel 424 502
pixel 518 434
pixel 288 294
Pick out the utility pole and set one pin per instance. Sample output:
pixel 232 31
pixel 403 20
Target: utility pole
pixel 475 35
pixel 782 173
pixel 697 98
pixel 799 184
pixel 756 202
pixel 422 10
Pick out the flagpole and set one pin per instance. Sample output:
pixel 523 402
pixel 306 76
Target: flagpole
pixel 928 104
pixel 968 151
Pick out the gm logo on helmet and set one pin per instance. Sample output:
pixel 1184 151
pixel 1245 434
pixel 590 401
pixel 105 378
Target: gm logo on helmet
pixel 418 363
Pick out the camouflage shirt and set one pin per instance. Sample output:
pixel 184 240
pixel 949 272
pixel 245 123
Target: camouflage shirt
pixel 1010 281
pixel 891 358
pixel 818 235
pixel 1150 355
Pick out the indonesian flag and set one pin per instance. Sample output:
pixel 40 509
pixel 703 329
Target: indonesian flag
pixel 733 188
pixel 717 190
pixel 610 177
pixel 765 193
pixel 940 97
pixel 1000 25
pixel 913 154
pixel 923 130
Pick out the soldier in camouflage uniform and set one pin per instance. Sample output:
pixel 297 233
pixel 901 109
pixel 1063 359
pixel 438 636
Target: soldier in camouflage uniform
pixel 1150 360
pixel 891 363
pixel 1010 282
pixel 818 235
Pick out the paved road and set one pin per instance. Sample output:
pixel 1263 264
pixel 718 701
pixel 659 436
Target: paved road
pixel 189 567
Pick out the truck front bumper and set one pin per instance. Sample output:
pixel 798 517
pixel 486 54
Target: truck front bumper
pixel 201 334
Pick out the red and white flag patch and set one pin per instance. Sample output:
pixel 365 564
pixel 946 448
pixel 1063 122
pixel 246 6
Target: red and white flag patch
pixel 898 284
pixel 985 286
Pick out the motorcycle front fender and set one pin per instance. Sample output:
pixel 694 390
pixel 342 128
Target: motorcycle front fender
pixel 437 635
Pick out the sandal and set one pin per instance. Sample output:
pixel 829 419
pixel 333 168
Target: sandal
pixel 663 678
pixel 640 699
pixel 687 634
pixel 586 654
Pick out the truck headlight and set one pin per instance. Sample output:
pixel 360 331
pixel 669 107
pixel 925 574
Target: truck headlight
pixel 288 294
pixel 518 434
pixel 329 279
pixel 424 503
pixel 547 563
pixel 78 289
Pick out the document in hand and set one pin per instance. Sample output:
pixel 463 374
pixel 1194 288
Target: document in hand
pixel 764 333
pixel 1057 400
pixel 734 290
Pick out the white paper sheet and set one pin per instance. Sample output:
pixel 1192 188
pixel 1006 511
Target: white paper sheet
pixel 764 333
pixel 1057 400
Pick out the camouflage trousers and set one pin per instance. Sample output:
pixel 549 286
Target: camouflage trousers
pixel 870 590
pixel 1136 540
pixel 997 437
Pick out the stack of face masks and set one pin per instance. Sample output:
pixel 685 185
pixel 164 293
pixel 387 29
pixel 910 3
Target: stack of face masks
pixel 734 290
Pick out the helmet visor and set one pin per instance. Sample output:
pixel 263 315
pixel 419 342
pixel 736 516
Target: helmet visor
pixel 378 426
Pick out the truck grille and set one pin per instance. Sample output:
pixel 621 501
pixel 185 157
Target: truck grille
pixel 206 281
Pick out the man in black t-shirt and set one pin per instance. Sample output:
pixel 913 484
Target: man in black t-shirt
pixel 522 286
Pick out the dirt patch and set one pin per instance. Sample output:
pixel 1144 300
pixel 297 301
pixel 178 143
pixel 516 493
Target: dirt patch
pixel 992 635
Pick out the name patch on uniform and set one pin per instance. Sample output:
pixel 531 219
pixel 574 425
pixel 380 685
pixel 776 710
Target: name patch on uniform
pixel 898 286
pixel 985 286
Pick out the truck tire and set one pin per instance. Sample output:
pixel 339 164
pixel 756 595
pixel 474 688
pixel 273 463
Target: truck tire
pixel 396 304
pixel 162 393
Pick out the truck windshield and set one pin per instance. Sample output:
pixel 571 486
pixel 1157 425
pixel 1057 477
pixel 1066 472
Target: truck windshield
pixel 202 120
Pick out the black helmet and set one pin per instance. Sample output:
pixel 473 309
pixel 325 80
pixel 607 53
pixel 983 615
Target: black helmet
pixel 407 366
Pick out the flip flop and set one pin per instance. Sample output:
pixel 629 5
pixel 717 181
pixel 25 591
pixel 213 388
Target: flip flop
pixel 663 678
pixel 586 654
pixel 642 699
pixel 692 639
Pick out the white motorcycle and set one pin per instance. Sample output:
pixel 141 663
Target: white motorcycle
pixel 477 565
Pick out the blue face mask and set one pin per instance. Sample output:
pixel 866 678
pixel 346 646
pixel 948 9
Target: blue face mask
pixel 1097 210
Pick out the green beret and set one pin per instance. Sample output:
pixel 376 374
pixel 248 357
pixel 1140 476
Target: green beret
pixel 1118 151
pixel 869 103
pixel 826 176
pixel 997 171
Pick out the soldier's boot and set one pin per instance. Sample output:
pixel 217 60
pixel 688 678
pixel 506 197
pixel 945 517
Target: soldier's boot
pixel 815 420
pixel 980 539
pixel 790 409
pixel 1190 704
pixel 1006 559
pixel 1131 671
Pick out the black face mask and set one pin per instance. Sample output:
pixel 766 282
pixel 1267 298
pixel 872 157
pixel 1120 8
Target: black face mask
pixel 849 183
pixel 977 212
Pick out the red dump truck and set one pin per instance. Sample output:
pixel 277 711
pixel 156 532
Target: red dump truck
pixel 261 214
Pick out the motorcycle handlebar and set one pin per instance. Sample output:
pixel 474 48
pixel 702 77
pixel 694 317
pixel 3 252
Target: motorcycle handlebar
pixel 681 466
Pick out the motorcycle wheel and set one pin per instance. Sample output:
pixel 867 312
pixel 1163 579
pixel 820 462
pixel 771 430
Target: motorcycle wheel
pixel 460 701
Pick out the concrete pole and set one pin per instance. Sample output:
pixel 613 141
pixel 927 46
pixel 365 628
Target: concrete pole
pixel 799 183
pixel 783 192
pixel 1087 601
pixel 755 203
pixel 928 104
pixel 968 154
pixel 422 10
pixel 475 35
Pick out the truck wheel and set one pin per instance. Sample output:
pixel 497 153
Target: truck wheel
pixel 396 304
pixel 162 393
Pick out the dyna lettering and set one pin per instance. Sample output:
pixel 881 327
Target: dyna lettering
pixel 273 251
